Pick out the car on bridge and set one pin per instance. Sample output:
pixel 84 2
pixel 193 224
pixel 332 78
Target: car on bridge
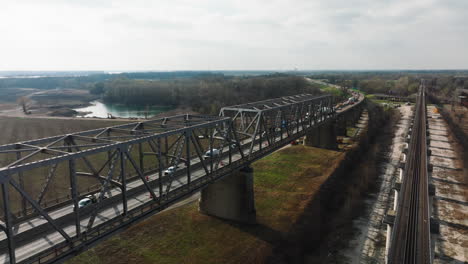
pixel 84 202
pixel 88 200
pixel 170 170
pixel 351 100
pixel 211 154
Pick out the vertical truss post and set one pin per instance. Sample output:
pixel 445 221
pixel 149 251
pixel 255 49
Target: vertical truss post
pixel 281 125
pixel 108 138
pixel 211 152
pixel 187 157
pixel 124 181
pixel 242 121
pixel 229 140
pixel 327 105
pixel 160 169
pixel 321 111
pixel 315 113
pixel 140 154
pixel 288 122
pixel 302 117
pixel 166 150
pixel 21 182
pixel 8 223
pixel 72 169
pixel 296 117
pixel 332 106
pixel 254 135
pixel 236 139
pixel 259 128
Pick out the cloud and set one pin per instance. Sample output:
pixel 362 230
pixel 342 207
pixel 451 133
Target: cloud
pixel 211 34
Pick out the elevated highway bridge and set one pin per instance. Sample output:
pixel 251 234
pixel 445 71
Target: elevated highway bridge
pixel 126 167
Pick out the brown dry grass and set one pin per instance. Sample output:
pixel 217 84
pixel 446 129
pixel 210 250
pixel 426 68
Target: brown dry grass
pixel 14 129
pixel 285 183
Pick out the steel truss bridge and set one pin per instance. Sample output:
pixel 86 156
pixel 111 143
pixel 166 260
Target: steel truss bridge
pixel 124 167
pixel 410 239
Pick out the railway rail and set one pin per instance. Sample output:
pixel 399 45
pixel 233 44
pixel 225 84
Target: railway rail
pixel 410 239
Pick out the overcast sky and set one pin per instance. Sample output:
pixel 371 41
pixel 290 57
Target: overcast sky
pixel 233 35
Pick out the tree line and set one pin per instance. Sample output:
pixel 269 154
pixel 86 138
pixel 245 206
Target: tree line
pixel 398 83
pixel 204 94
pixel 88 81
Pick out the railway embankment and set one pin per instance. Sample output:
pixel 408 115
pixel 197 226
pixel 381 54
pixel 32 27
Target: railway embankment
pixel 302 195
pixel 449 176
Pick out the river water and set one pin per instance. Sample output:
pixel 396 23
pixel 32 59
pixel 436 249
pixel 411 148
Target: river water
pixel 101 110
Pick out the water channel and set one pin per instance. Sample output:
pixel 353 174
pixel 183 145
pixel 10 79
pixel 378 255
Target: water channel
pixel 101 110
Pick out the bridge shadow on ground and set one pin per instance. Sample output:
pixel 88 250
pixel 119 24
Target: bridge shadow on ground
pixel 325 224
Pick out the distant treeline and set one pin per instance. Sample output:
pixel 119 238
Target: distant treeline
pixel 82 82
pixel 373 83
pixel 444 87
pixel 206 91
pixel 88 82
pixel 204 94
pixel 398 83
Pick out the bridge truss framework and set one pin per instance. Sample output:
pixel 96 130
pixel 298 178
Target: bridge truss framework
pixel 126 161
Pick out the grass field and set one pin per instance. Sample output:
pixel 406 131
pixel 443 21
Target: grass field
pixel 285 183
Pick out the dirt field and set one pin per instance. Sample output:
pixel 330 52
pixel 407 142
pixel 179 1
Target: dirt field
pixel 41 102
pixel 14 129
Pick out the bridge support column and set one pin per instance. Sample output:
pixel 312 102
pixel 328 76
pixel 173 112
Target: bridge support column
pixel 353 116
pixel 340 128
pixel 323 136
pixel 231 198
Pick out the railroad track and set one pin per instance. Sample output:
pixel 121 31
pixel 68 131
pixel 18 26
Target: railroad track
pixel 410 240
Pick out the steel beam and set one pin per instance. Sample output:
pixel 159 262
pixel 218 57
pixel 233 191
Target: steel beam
pixel 8 223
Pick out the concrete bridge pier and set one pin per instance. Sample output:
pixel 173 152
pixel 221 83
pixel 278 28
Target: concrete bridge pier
pixel 340 127
pixel 323 136
pixel 354 116
pixel 231 198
